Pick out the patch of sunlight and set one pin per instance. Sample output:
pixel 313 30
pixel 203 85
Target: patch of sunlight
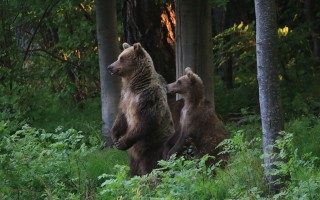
pixel 291 63
pixel 280 77
pixel 283 31
pixel 237 79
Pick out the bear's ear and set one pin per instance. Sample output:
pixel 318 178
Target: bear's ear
pixel 188 70
pixel 138 48
pixel 190 74
pixel 125 45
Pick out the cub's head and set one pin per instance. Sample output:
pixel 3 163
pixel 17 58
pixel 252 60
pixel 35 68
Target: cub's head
pixel 187 85
pixel 129 60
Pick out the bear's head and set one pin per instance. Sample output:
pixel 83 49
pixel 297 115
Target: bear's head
pixel 130 60
pixel 188 85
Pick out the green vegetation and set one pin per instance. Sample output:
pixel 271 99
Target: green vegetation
pixel 63 164
pixel 66 164
pixel 50 112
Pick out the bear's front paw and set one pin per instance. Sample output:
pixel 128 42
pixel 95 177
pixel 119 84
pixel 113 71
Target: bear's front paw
pixel 121 145
pixel 114 138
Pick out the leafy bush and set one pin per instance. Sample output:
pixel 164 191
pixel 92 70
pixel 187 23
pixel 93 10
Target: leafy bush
pixel 304 182
pixel 244 174
pixel 175 179
pixel 179 178
pixel 305 135
pixel 37 165
pixel 243 177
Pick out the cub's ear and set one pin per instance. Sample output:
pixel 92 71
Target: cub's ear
pixel 190 74
pixel 125 45
pixel 138 48
pixel 187 70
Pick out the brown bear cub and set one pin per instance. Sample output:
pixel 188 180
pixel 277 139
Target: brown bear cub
pixel 197 119
pixel 144 123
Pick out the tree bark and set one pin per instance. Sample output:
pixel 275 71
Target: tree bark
pixel 269 94
pixel 310 9
pixel 152 24
pixel 193 41
pixel 108 51
pixel 221 22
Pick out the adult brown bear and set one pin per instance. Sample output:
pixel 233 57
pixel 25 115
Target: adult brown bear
pixel 144 123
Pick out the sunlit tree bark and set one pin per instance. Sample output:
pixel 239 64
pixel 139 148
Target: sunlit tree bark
pixel 107 45
pixel 152 24
pixel 193 41
pixel 269 94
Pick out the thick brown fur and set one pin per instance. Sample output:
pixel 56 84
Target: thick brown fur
pixel 195 117
pixel 144 123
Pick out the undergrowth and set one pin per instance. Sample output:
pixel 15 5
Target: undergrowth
pixel 243 178
pixel 64 164
pixel 67 164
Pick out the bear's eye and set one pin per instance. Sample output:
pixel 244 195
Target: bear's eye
pixel 121 59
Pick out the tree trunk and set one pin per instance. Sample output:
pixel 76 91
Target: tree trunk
pixel 152 24
pixel 220 20
pixel 235 12
pixel 228 74
pixel 310 9
pixel 269 94
pixel 108 51
pixel 193 41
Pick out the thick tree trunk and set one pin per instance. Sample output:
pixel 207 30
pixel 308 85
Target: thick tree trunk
pixel 152 24
pixel 269 94
pixel 193 41
pixel 108 51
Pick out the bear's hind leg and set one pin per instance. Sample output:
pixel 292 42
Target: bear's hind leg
pixel 150 161
pixel 134 165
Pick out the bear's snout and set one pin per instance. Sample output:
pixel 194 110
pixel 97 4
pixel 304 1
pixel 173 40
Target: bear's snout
pixel 170 89
pixel 110 69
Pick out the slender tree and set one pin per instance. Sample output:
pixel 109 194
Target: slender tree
pixel 193 41
pixel 311 10
pixel 269 95
pixel 107 46
pixel 226 13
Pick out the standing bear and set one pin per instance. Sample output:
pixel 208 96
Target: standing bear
pixel 144 123
pixel 195 117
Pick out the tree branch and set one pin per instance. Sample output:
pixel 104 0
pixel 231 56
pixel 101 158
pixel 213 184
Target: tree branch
pixel 58 58
pixel 46 12
pixel 85 13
